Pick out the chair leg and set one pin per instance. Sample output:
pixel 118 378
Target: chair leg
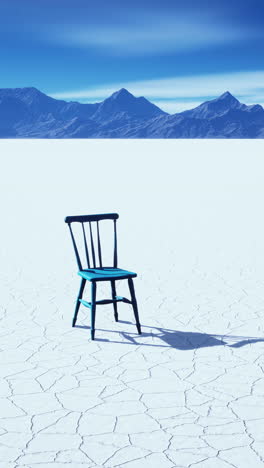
pixel 113 297
pixel 93 308
pixel 134 304
pixel 83 281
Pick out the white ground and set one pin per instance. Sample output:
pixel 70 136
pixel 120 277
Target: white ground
pixel 188 392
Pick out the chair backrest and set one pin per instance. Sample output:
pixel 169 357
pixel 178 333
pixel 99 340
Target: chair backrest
pixel 90 244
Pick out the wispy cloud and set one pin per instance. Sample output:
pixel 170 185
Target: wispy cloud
pixel 181 93
pixel 153 34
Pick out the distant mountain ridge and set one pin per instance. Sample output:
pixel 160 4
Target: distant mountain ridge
pixel 29 113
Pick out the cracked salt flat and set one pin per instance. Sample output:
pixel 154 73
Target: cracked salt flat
pixel 186 393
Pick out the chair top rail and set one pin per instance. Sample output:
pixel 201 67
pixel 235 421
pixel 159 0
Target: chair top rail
pixel 89 218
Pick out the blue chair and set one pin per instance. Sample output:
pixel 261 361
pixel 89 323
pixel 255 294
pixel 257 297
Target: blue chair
pixel 99 272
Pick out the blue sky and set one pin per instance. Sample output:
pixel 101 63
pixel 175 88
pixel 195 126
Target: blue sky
pixel 175 53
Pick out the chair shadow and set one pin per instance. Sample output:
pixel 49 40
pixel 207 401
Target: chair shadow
pixel 176 339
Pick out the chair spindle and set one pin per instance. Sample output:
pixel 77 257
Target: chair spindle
pixel 86 247
pixel 99 245
pixel 92 245
pixel 115 245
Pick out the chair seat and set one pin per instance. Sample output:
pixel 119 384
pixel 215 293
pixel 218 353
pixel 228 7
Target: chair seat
pixel 106 274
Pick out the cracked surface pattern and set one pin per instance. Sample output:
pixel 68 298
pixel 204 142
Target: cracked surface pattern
pixel 188 392
pixel 177 396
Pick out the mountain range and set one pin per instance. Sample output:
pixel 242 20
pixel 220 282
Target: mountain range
pixel 29 113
